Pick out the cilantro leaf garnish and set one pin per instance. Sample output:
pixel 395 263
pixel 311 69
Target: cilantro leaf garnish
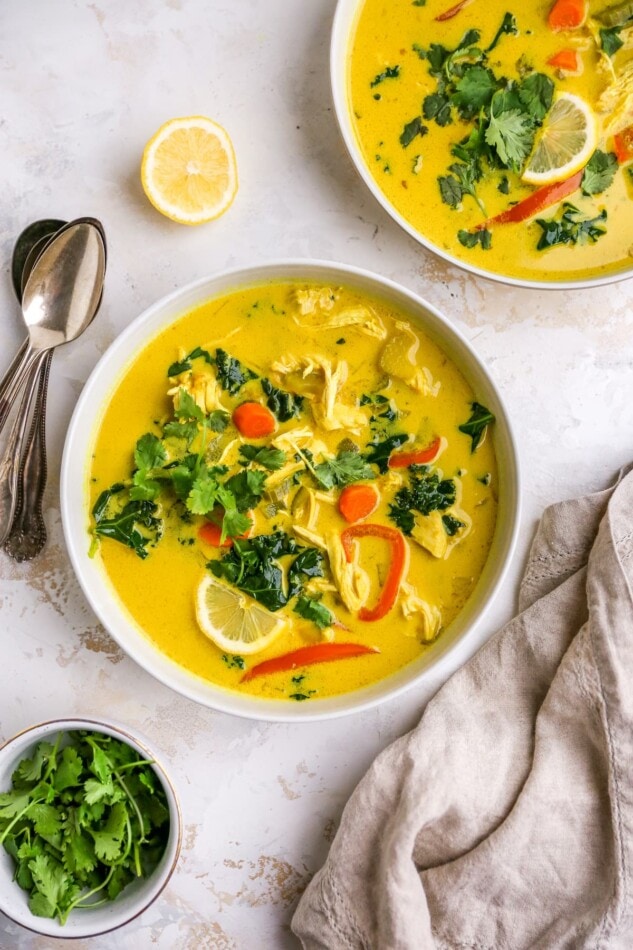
pixel 268 457
pixel 310 608
pixel 599 172
pixel 70 845
pixel 536 94
pixel 346 468
pixel 149 452
pixel 474 91
pixel 483 237
pixel 571 228
pixel 411 130
pixel 511 133
pixel 477 424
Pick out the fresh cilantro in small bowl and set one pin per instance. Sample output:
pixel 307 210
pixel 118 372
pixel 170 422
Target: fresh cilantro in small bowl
pixel 89 824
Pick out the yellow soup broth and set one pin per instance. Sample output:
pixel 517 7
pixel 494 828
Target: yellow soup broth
pixel 329 346
pixel 397 84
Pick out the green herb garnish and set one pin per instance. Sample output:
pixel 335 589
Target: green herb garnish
pixel 571 228
pixel 391 72
pixel 282 404
pixel 477 424
pixel 346 468
pixel 599 172
pixel 83 819
pixel 425 493
pixel 310 608
pixel 231 373
pixel 267 456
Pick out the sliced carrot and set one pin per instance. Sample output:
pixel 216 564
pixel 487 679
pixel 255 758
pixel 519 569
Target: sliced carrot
pixel 253 420
pixel 306 656
pixel 567 15
pixel 452 11
pixel 397 568
pixel 358 501
pixel 623 145
pixel 566 59
pixel 539 199
pixel 417 456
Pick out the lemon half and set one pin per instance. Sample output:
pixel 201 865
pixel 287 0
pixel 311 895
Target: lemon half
pixel 189 172
pixel 565 143
pixel 233 621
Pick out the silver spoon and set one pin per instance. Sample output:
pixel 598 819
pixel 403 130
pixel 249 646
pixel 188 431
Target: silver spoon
pixel 60 300
pixel 28 529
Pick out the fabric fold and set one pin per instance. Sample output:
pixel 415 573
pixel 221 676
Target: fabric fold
pixel 503 820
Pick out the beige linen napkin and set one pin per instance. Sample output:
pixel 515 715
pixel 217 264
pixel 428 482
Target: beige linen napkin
pixel 504 820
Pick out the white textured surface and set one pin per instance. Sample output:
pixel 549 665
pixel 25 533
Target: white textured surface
pixel 84 85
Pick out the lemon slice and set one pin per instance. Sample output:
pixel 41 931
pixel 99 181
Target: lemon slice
pixel 189 171
pixel 233 621
pixel 566 141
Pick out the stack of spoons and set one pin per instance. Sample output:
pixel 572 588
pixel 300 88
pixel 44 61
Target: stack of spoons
pixel 58 271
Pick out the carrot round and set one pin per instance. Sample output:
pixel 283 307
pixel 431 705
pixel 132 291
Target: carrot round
pixel 253 420
pixel 358 501
pixel 539 199
pixel 306 656
pixel 397 568
pixel 623 145
pixel 417 456
pixel 567 15
pixel 566 59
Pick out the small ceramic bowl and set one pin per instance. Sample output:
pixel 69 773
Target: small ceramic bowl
pixel 138 895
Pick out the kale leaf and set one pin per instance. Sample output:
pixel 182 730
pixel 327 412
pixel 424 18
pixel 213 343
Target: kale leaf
pixel 571 228
pixel 380 450
pixel 508 27
pixel 483 237
pixel 411 130
pixel 610 40
pixel 182 366
pixel 477 424
pixel 282 404
pixel 425 493
pixel 125 524
pixel 231 373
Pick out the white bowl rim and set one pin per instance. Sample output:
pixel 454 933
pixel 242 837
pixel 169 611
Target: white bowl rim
pixel 339 41
pixel 224 700
pixel 116 729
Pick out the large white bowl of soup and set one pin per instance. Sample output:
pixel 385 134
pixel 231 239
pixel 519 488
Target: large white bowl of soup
pixel 500 136
pixel 290 491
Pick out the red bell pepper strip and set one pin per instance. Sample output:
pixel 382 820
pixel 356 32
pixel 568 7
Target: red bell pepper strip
pixel 397 568
pixel 306 656
pixel 452 11
pixel 419 457
pixel 623 145
pixel 539 199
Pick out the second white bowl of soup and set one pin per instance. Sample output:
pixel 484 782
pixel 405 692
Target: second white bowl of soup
pixel 299 490
pixel 500 137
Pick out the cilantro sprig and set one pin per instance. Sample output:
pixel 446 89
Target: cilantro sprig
pixel 84 817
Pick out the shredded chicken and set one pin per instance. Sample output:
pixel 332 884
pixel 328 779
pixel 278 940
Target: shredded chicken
pixel 315 312
pixel 430 533
pixel 616 102
pixel 398 359
pixel 328 408
pixel 304 507
pixel 317 540
pixel 351 580
pixel 202 386
pixel 428 616
pixel 287 471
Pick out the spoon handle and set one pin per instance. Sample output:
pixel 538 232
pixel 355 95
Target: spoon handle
pixel 28 530
pixel 10 462
pixel 15 378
